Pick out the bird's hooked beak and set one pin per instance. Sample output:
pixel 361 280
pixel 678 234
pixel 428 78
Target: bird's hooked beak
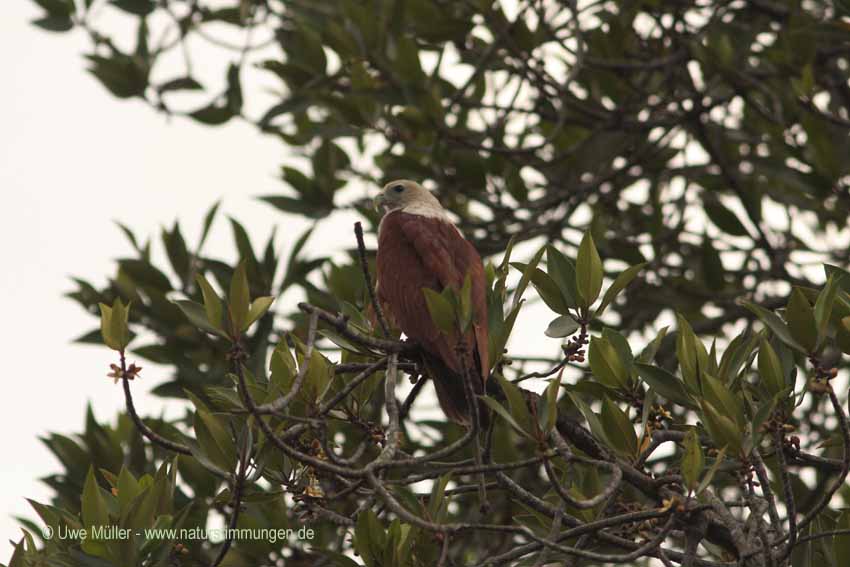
pixel 378 202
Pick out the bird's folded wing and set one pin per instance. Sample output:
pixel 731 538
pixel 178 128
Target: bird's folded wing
pixel 450 257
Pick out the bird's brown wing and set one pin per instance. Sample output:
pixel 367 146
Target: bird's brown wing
pixel 402 273
pixel 450 257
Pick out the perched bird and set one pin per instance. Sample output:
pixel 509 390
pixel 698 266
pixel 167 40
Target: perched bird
pixel 420 247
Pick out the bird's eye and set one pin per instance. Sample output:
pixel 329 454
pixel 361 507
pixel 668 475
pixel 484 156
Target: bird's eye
pixel 398 188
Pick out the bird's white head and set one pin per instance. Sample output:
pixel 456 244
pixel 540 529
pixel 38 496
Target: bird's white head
pixel 410 197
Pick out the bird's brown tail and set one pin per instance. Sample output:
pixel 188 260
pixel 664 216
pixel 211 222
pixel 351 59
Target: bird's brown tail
pixel 452 394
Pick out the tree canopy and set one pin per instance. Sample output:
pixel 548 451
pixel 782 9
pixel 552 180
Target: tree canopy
pixel 624 164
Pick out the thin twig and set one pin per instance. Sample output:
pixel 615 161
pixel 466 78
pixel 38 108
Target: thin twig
pixel 825 498
pixel 364 265
pixel 351 385
pixel 411 397
pixel 566 454
pixel 340 324
pixel 641 551
pixel 146 431
pixel 788 491
pixel 475 426
pixel 238 485
pixel 764 481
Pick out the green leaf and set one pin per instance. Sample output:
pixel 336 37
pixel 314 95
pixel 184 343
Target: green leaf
pixel 437 504
pixel 240 299
pixel 562 272
pixel 712 265
pixel 234 89
pixel 119 324
pixel 665 384
pixel 593 421
pixel 623 279
pixel 441 310
pixel 122 75
pixel 56 7
pixel 505 414
pixel 692 460
pixel 214 439
pixel 55 23
pixel 525 279
pixel 624 351
pixel 549 291
pixel 405 57
pixel 178 255
pixel 94 510
pixel 319 373
pixel 144 274
pixel 725 219
pixel 588 271
pixel 649 352
pixel 259 307
pixel 763 413
pixel 106 326
pixel 243 244
pixel 801 320
pixel 516 405
pixel 735 355
pixel 775 324
pixel 114 325
pixel 297 206
pixel 212 115
pixel 546 288
pixel 212 304
pixel 842 276
pixel 693 358
pixel 618 429
pixel 305 48
pixel 709 476
pixel 723 431
pixel 197 315
pixel 722 398
pixel 547 406
pixel 606 365
pixel 128 488
pixel 500 330
pixel 713 366
pixel 137 7
pixel 824 305
pixel 186 83
pixel 369 538
pixel 208 222
pixel 770 369
pixel 562 326
pixel 142 511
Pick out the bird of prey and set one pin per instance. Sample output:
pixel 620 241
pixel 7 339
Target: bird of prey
pixel 420 247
